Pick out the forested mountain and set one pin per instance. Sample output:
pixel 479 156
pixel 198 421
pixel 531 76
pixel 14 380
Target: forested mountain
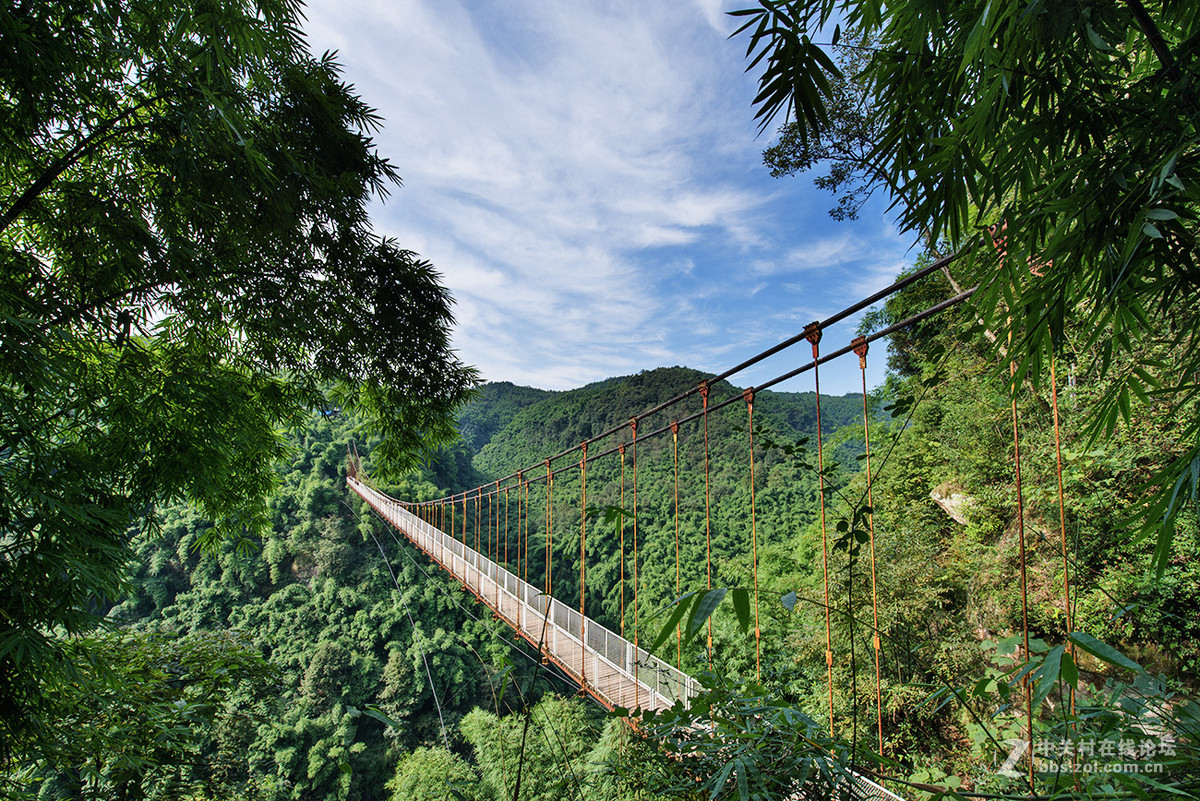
pixel 494 406
pixel 190 283
pixel 340 634
pixel 355 669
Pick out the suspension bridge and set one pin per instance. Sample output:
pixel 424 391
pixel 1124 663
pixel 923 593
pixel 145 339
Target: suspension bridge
pixel 607 665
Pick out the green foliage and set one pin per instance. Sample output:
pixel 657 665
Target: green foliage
pixel 737 742
pixel 435 774
pixel 556 750
pixel 1091 739
pixel 186 268
pixel 133 713
pixel 344 653
pixel 1074 130
pixel 493 408
pixel 843 146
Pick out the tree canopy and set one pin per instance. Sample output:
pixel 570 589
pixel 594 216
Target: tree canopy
pixel 186 267
pixel 1073 128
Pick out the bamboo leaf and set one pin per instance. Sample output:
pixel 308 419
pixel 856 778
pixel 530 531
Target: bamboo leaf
pixel 702 610
pixel 1049 673
pixel 682 606
pixel 1103 651
pixel 741 606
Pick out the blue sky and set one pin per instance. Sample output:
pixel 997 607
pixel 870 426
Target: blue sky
pixel 587 176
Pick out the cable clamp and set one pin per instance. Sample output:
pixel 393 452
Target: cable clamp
pixel 675 429
pixel 748 395
pixel 860 348
pixel 812 332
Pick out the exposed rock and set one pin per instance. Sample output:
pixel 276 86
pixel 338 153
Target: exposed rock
pixel 953 501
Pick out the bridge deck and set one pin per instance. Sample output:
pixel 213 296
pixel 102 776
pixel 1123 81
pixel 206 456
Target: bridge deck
pixel 603 663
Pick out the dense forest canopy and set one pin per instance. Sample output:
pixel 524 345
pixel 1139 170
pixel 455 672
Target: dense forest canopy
pixel 186 268
pixel 199 324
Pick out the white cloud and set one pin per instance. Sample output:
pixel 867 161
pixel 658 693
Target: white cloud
pixel 586 177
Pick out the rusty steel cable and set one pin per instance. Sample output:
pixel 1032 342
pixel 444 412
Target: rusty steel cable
pixel 521 511
pixel 621 527
pixel 748 395
pixel 1062 514
pixel 528 514
pixel 678 626
pixel 813 335
pixel 860 348
pixel 549 535
pixel 583 561
pixel 1062 528
pixel 633 457
pixel 707 514
pixel 1012 371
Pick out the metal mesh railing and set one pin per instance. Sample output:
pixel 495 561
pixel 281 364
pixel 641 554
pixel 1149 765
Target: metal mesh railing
pixel 608 665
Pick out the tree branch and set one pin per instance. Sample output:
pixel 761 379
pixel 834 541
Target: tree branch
pixel 69 159
pixel 1165 57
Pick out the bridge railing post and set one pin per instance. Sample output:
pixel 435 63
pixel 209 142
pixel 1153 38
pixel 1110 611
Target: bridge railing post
pixel 524 608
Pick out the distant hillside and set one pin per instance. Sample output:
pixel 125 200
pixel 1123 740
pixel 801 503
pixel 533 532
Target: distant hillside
pixel 493 408
pixel 510 427
pixel 529 426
